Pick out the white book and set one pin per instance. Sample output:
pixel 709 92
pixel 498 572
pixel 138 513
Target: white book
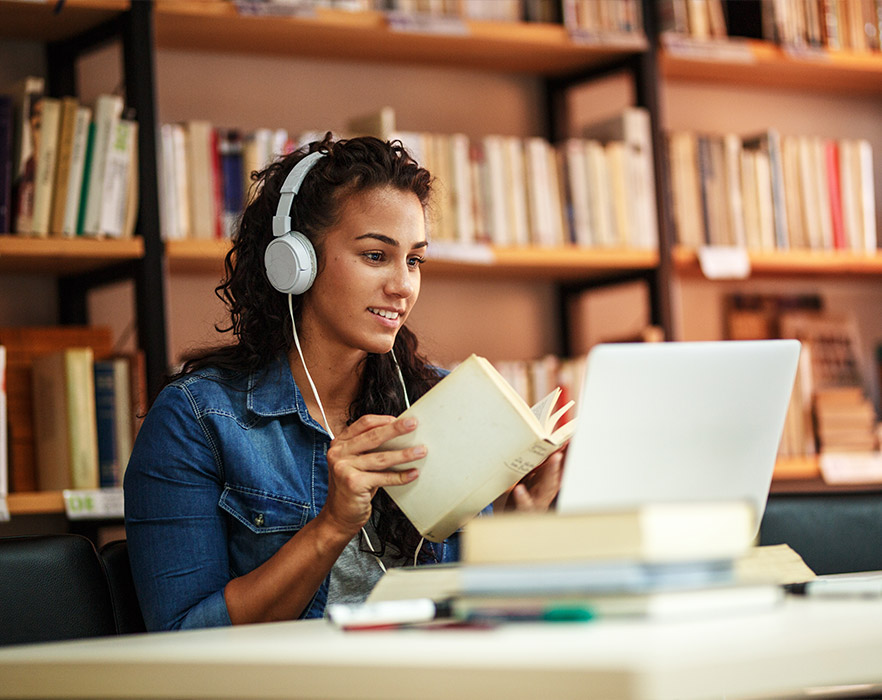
pixel 77 171
pixel 633 127
pixel 539 193
pixel 47 154
pixel 461 189
pixel 494 178
pixel 732 145
pixel 482 438
pixel 750 201
pixel 685 189
pixel 822 193
pixel 200 165
pixel 580 202
pixel 615 163
pixel 108 112
pixel 517 191
pixel 851 196
pixel 603 217
pixel 808 201
pixel 764 200
pixel 117 174
pixel 868 201
pixel 168 204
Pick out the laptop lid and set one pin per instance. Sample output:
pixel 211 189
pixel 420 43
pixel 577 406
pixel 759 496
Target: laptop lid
pixel 678 422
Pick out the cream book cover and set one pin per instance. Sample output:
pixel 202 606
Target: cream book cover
pixel 482 438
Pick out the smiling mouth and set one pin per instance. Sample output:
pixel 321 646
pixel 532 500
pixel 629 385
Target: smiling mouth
pixel 391 315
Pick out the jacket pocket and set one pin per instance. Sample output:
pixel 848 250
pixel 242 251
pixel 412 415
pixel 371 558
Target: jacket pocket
pixel 261 512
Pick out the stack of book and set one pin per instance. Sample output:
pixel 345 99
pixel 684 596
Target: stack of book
pixel 660 560
pixel 73 167
pixel 845 420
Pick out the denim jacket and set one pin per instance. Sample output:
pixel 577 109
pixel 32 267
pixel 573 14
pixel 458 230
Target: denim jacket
pixel 225 469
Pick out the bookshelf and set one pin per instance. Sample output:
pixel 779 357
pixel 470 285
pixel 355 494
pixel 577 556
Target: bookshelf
pixel 849 85
pixel 538 52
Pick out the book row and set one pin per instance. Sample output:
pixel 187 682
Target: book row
pixel 68 169
pixel 74 405
pixel 497 10
pixel 834 25
pixel 595 191
pixel 773 192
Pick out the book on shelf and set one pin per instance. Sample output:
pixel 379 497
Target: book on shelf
pixel 120 179
pixel 64 420
pixel 23 344
pixel 27 95
pixel 47 156
pixel 634 174
pixel 115 409
pixel 66 135
pixel 107 115
pixel 482 438
pixel 6 129
pixel 655 532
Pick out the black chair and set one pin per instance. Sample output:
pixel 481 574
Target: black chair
pixel 833 533
pixel 52 587
pixel 127 613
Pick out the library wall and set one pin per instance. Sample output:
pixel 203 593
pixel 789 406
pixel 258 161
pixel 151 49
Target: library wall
pixel 299 95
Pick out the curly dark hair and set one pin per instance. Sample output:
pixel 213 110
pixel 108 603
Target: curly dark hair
pixel 259 319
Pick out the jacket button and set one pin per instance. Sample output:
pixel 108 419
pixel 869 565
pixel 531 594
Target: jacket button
pixel 259 520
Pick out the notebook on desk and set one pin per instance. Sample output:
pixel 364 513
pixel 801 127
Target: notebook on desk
pixel 678 422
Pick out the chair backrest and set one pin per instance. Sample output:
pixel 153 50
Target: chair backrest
pixel 52 587
pixel 127 612
pixel 833 533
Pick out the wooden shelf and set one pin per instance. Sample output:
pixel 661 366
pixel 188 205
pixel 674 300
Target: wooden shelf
pixel 512 47
pixel 38 21
pixel 764 64
pixel 798 263
pixel 35 503
pixel 206 257
pixel 61 256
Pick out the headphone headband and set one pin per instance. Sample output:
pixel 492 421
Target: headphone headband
pixel 290 188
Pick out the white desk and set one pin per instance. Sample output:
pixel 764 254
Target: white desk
pixel 804 643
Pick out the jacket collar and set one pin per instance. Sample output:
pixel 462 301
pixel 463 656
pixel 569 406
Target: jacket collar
pixel 273 392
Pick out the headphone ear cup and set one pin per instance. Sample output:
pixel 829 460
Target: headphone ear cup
pixel 291 263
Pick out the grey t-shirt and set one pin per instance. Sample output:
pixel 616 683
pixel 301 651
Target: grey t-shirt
pixel 356 572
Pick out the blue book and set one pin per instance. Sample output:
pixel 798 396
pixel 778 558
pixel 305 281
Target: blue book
pixel 232 179
pixel 105 418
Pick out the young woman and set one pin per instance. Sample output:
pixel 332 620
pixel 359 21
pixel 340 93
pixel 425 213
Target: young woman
pixel 254 488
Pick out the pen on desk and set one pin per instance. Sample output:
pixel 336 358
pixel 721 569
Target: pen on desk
pixel 387 613
pixel 839 587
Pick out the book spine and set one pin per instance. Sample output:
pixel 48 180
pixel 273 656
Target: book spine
pixel 114 198
pixel 834 192
pixel 66 134
pixel 108 112
pixel 80 406
pixel 87 179
pixel 105 424
pixel 47 156
pixel 27 96
pixel 5 164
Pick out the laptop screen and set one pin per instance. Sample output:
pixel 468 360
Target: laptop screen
pixel 678 422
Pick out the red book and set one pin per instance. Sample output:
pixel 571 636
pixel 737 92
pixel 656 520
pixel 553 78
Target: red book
pixel 831 150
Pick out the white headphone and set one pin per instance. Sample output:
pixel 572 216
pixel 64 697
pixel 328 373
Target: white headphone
pixel 290 259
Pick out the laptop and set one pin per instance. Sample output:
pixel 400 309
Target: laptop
pixel 678 422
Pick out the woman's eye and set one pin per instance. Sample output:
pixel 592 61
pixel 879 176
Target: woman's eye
pixel 374 256
pixel 416 261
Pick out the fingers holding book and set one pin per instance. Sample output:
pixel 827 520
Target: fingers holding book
pixel 357 468
pixel 537 490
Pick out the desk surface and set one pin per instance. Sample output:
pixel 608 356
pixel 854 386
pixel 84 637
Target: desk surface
pixel 804 643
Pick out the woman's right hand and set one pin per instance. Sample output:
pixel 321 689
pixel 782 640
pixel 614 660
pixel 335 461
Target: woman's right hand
pixel 356 471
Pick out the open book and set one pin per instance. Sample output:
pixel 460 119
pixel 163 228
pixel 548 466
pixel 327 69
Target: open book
pixel 482 438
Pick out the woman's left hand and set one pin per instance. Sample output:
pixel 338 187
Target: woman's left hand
pixel 537 490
